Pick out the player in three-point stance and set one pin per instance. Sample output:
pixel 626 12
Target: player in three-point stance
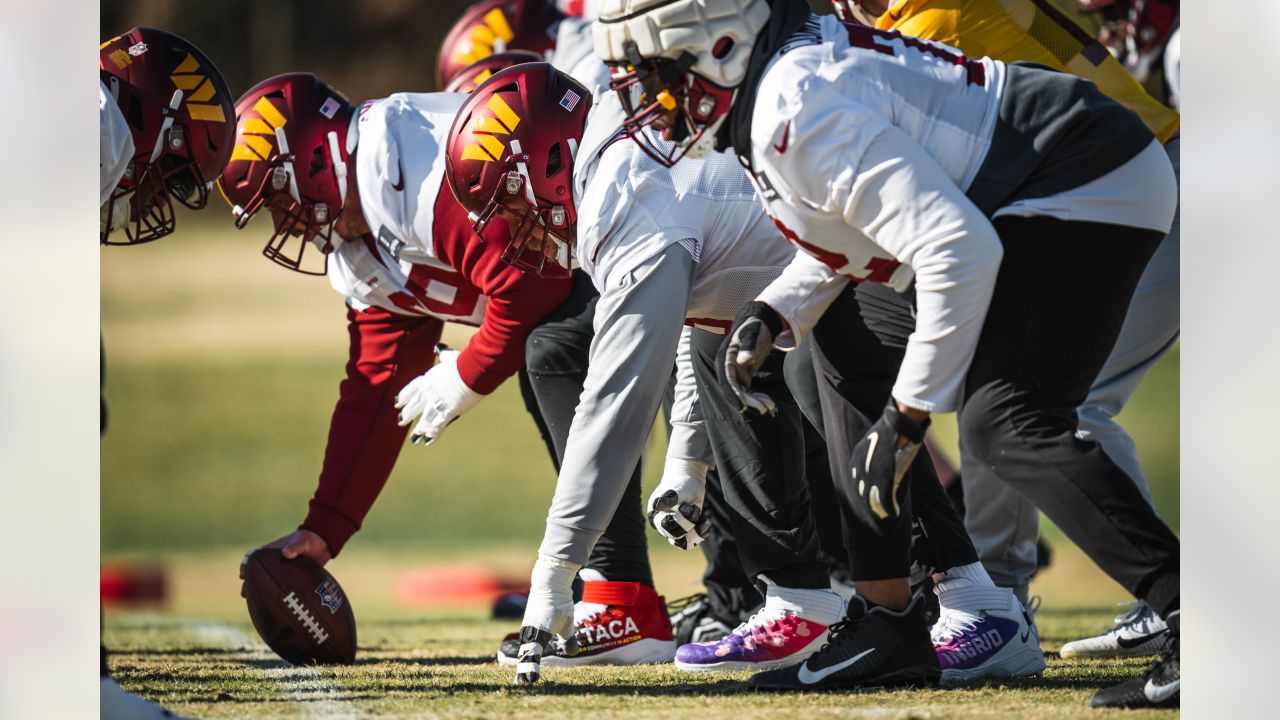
pixel 1021 206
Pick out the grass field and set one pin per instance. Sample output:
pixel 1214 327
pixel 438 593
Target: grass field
pixel 222 371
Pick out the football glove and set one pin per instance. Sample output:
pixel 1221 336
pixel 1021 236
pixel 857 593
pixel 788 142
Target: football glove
pixel 548 617
pixel 750 342
pixel 879 465
pixel 675 507
pixel 435 398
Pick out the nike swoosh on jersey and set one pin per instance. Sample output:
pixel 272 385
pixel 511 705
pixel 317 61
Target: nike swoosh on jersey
pixel 781 145
pixel 812 678
pixel 1160 693
pixel 1128 643
pixel 398 186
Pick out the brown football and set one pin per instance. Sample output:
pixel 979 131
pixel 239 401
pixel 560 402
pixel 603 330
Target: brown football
pixel 298 609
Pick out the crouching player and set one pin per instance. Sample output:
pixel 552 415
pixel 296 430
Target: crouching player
pixel 1024 205
pixel 359 196
pixel 166 127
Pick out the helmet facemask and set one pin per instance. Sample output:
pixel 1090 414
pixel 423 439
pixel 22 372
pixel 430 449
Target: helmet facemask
pixel 665 95
pixel 532 222
pixel 311 223
pixel 142 203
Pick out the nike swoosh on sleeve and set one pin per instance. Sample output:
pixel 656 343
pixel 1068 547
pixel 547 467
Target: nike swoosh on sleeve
pixel 811 678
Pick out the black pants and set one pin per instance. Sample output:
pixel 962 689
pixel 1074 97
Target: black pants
pixel 551 383
pixel 1059 302
pixel 856 351
pixel 761 465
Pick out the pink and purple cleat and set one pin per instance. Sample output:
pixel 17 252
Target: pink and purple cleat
pixel 770 639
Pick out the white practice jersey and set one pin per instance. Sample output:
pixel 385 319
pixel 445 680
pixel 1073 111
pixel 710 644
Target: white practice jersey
pixel 400 175
pixel 575 55
pixel 873 151
pixel 630 208
pixel 115 144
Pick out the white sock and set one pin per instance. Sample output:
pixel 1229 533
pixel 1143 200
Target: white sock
pixel 962 576
pixel 820 606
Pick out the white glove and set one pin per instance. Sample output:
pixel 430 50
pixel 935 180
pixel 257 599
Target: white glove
pixel 675 507
pixel 548 617
pixel 439 396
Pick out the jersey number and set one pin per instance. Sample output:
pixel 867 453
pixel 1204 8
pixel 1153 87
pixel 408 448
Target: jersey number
pixel 421 277
pixel 881 41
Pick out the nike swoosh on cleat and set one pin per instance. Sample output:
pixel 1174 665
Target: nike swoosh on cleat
pixel 1026 633
pixel 1133 642
pixel 1160 693
pixel 812 678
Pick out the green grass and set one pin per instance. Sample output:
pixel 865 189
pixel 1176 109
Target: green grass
pixel 199 656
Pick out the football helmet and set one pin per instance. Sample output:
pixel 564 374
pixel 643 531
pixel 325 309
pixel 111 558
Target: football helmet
pixel 1135 31
pixel 510 154
pixel 183 125
pixel 470 77
pixel 676 66
pixel 294 137
pixel 495 26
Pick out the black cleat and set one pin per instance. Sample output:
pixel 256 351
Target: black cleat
pixel 692 620
pixel 870 648
pixel 1157 688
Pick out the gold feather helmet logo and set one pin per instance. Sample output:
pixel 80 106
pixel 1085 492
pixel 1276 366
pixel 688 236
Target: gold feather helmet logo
pixel 256 136
pixel 486 129
pixel 486 38
pixel 199 93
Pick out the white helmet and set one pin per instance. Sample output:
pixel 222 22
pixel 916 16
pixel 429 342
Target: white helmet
pixel 688 55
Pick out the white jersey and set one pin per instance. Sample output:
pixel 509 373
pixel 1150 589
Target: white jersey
pixel 873 151
pixel 630 208
pixel 574 54
pixel 115 144
pixel 400 175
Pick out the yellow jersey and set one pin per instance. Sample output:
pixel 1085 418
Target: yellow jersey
pixel 1032 31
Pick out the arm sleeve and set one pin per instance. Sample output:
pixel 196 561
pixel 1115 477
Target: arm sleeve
pixel 517 301
pixel 638 324
pixel 386 351
pixel 880 182
pixel 899 197
pixel 688 434
pixel 801 294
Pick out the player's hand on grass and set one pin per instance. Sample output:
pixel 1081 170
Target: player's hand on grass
pixel 750 341
pixel 299 543
pixel 675 507
pixel 883 457
pixel 548 617
pixel 435 399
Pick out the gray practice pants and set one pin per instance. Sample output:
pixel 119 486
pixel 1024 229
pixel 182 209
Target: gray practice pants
pixel 1003 524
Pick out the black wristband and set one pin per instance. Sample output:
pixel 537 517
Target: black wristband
pixel 905 426
pixel 757 309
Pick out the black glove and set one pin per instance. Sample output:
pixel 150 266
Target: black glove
pixel 879 464
pixel 750 342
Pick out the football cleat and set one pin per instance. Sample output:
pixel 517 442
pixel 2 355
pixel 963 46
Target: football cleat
pixel 1159 687
pixel 993 637
pixel 1138 631
pixel 692 620
pixel 871 648
pixel 780 634
pixel 616 623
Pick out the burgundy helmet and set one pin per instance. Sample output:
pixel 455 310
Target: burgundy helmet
pixel 510 152
pixel 470 77
pixel 495 26
pixel 1135 31
pixel 179 112
pixel 295 136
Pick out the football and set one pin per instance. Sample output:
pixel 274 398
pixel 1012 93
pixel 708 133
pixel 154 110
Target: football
pixel 299 609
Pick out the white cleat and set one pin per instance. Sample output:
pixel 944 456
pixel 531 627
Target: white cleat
pixel 1138 631
pixel 985 633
